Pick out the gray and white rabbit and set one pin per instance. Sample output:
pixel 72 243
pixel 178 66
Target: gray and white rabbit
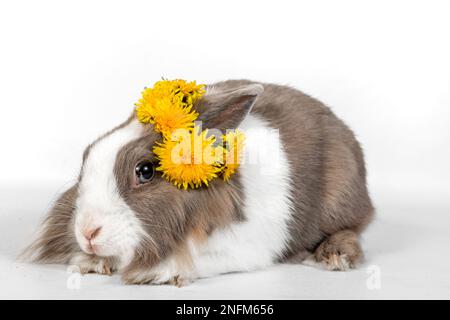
pixel 299 193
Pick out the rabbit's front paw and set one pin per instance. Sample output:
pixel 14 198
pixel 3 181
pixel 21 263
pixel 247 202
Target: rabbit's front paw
pixel 166 272
pixel 93 264
pixel 153 278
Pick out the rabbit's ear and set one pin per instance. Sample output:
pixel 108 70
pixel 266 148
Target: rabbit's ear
pixel 226 110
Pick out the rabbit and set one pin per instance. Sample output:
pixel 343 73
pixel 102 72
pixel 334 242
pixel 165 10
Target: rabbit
pixel 299 194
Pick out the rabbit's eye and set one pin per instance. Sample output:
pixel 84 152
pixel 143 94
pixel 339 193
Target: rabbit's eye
pixel 145 171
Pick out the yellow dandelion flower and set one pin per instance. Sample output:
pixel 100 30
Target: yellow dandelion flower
pixel 234 145
pixel 144 111
pixel 188 158
pixel 190 91
pixel 167 116
pixel 169 105
pixel 180 91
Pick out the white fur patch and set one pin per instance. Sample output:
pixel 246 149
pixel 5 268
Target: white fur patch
pixel 99 203
pixel 261 238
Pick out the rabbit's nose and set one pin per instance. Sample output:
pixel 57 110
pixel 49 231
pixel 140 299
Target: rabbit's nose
pixel 90 234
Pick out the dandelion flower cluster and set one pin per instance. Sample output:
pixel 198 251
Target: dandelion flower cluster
pixel 187 155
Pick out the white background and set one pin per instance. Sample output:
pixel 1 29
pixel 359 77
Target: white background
pixel 70 70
